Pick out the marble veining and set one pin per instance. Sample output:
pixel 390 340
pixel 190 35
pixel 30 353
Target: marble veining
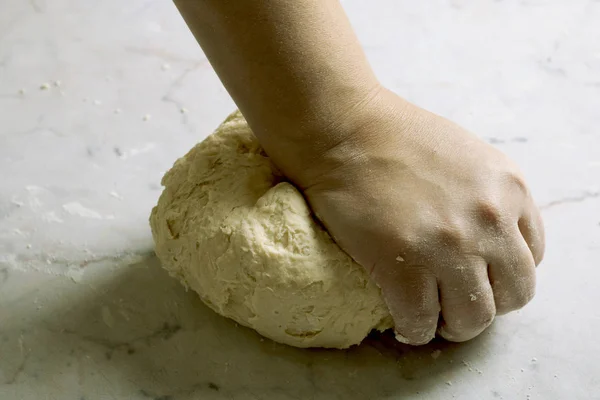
pixel 97 99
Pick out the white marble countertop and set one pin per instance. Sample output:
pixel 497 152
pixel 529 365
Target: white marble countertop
pixel 91 98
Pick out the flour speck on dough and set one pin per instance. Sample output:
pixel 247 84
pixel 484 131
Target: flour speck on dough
pixel 230 227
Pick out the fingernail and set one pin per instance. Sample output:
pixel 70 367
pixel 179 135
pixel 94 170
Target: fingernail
pixel 444 333
pixel 401 339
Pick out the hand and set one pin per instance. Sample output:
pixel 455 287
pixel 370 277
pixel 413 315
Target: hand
pixel 441 220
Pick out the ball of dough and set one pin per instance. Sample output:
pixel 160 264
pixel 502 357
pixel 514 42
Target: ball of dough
pixel 230 227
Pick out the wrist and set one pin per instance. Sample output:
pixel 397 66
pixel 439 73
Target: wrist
pixel 365 123
pixel 301 144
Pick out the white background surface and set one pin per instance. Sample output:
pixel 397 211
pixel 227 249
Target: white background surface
pixel 87 313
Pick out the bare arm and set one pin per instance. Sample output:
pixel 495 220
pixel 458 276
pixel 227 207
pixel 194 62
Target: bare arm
pixel 294 64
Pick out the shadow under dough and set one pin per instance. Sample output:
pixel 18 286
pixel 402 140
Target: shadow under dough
pixel 139 325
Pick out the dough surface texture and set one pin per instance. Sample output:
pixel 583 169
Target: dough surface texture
pixel 230 227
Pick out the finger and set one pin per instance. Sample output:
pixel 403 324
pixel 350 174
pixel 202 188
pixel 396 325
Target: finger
pixel 531 226
pixel 512 275
pixel 411 295
pixel 467 301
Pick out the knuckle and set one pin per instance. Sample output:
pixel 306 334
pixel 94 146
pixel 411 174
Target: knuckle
pixel 516 181
pixel 413 243
pixel 490 212
pixel 451 236
pixel 534 235
pixel 437 238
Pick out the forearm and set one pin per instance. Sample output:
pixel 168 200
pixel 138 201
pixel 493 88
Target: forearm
pixel 291 66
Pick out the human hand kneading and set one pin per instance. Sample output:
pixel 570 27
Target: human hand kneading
pixel 442 221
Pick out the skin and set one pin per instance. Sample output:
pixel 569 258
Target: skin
pixel 443 222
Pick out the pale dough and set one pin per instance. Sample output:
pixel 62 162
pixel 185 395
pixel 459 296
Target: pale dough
pixel 230 227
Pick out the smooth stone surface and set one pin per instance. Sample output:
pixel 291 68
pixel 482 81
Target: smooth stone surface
pixel 86 312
